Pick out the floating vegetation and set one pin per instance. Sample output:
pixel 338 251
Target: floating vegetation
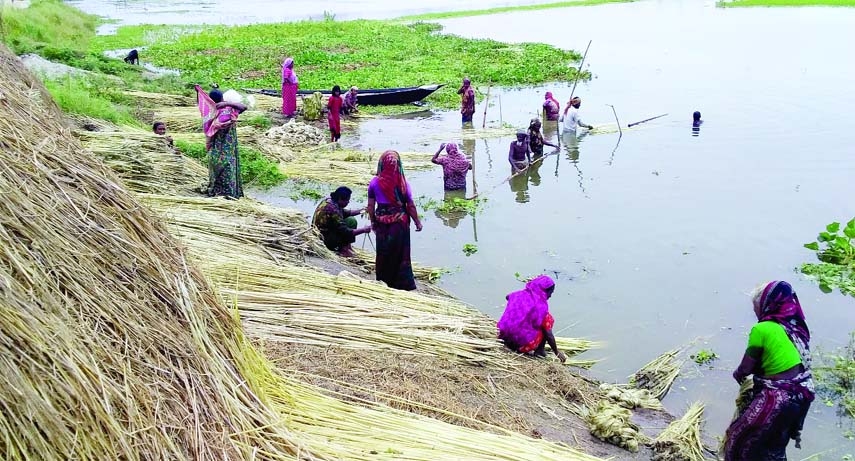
pixel 835 378
pixel 704 357
pixel 681 440
pixel 453 205
pixel 470 249
pixel 658 375
pixel 365 53
pixel 836 252
pixel 749 3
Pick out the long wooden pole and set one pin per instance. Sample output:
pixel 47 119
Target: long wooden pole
pixel 579 70
pixel 645 120
pixel 486 104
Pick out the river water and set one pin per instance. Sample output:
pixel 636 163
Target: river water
pixel 655 237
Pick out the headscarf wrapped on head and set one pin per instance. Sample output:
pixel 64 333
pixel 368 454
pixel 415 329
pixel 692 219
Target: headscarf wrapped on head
pixel 527 310
pixel 455 161
pixel 777 302
pixel 288 75
pixel 548 97
pixel 466 82
pixel 390 178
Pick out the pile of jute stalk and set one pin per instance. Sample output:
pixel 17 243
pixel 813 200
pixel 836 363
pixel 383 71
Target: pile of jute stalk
pixel 114 346
pixel 659 374
pixel 188 119
pixel 144 161
pixel 681 440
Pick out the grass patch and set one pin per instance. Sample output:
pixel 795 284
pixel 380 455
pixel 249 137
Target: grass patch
pixel 505 9
pixel 746 3
pixel 255 168
pixel 366 53
pixel 259 121
pixel 46 24
pixel 91 97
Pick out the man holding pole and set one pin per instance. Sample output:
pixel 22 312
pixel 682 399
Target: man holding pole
pixel 571 116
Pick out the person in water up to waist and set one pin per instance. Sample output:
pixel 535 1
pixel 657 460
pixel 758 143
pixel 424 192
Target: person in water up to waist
pixel 454 166
pixel 778 356
pixel 571 116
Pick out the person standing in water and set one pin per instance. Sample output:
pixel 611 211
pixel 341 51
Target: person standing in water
pixel 289 88
pixel 572 121
pixel 455 165
pixel 696 123
pixel 551 107
pixel 535 138
pixel 334 113
pixel 467 101
pixel 519 154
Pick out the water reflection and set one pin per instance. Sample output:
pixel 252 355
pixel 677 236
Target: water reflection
pixel 452 218
pixel 571 146
pixel 696 124
pixel 519 182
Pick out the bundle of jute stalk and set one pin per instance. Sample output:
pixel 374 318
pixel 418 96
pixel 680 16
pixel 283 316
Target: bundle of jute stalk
pixel 160 99
pixel 611 423
pixel 113 346
pixel 681 440
pixel 187 118
pixel 659 374
pixel 339 430
pixel 144 161
pixel 630 397
pixel 345 167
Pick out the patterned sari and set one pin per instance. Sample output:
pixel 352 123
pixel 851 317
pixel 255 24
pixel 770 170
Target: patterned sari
pixel 774 410
pixel 219 122
pixel 392 223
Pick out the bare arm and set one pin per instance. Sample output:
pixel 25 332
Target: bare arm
pixel 550 339
pixel 748 366
pixel 372 203
pixel 436 155
pixel 414 214
pixel 511 154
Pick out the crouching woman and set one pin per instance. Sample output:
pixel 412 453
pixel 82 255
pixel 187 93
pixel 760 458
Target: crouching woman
pixel 336 223
pixel 526 324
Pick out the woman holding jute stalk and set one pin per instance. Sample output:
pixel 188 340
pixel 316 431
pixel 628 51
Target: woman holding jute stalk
pixel 391 207
pixel 220 127
pixel 778 357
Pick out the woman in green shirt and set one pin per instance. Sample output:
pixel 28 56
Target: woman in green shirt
pixel 778 356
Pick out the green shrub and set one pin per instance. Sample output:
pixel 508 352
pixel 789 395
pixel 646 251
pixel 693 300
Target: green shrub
pixel 46 24
pixel 89 97
pixel 255 168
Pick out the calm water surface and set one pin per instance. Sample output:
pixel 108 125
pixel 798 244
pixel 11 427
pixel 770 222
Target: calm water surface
pixel 654 241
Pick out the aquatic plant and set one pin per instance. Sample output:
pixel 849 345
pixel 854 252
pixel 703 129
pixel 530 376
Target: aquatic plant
pixel 453 205
pixel 366 53
pixel 748 3
pixel 507 9
pixel 835 377
pixel 470 249
pixel 835 250
pixel 704 356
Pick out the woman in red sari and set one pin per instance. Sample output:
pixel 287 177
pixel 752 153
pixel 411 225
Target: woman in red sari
pixel 391 207
pixel 334 114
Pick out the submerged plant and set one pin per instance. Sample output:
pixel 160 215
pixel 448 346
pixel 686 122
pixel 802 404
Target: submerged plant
pixel 836 252
pixel 835 377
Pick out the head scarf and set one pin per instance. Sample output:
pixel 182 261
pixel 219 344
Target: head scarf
pixel 532 125
pixel 390 177
pixel 548 97
pixel 456 161
pixel 777 302
pixel 288 74
pixel 526 310
pixel 521 135
pixel 354 88
pixel 466 82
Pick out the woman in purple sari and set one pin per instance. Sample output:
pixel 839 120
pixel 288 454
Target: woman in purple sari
pixel 551 107
pixel 526 324
pixel 778 356
pixel 289 88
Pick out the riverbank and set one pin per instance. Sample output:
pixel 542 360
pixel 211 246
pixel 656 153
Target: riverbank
pixel 785 3
pixel 260 262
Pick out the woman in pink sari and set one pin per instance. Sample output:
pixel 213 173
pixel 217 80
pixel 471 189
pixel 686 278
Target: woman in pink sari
pixel 289 88
pixel 526 324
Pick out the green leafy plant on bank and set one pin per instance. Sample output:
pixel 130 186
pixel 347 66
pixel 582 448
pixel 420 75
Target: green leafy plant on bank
pixel 366 53
pixel 507 9
pixel 255 169
pixel 835 377
pixel 836 252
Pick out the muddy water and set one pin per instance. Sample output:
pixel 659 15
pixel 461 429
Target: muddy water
pixel 655 236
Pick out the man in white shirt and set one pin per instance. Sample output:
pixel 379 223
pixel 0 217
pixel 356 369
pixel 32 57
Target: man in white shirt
pixel 571 116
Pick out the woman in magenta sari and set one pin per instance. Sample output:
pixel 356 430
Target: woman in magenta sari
pixel 289 88
pixel 390 207
pixel 526 324
pixel 551 107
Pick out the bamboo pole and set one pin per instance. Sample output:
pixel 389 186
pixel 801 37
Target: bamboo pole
pixel 486 104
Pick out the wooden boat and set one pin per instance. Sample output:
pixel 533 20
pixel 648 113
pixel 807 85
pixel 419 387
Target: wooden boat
pixel 370 97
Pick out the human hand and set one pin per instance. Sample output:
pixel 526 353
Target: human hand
pixel 442 146
pixel 418 227
pixel 561 357
pixel 739 377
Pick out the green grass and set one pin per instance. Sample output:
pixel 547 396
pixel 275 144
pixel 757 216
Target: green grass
pixel 255 169
pixel 46 24
pixel 505 9
pixel 90 97
pixel 741 3
pixel 369 54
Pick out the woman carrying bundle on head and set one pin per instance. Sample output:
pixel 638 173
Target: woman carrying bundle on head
pixel 289 88
pixel 526 324
pixel 778 357
pixel 391 207
pixel 336 223
pixel 220 127
pixel 454 166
